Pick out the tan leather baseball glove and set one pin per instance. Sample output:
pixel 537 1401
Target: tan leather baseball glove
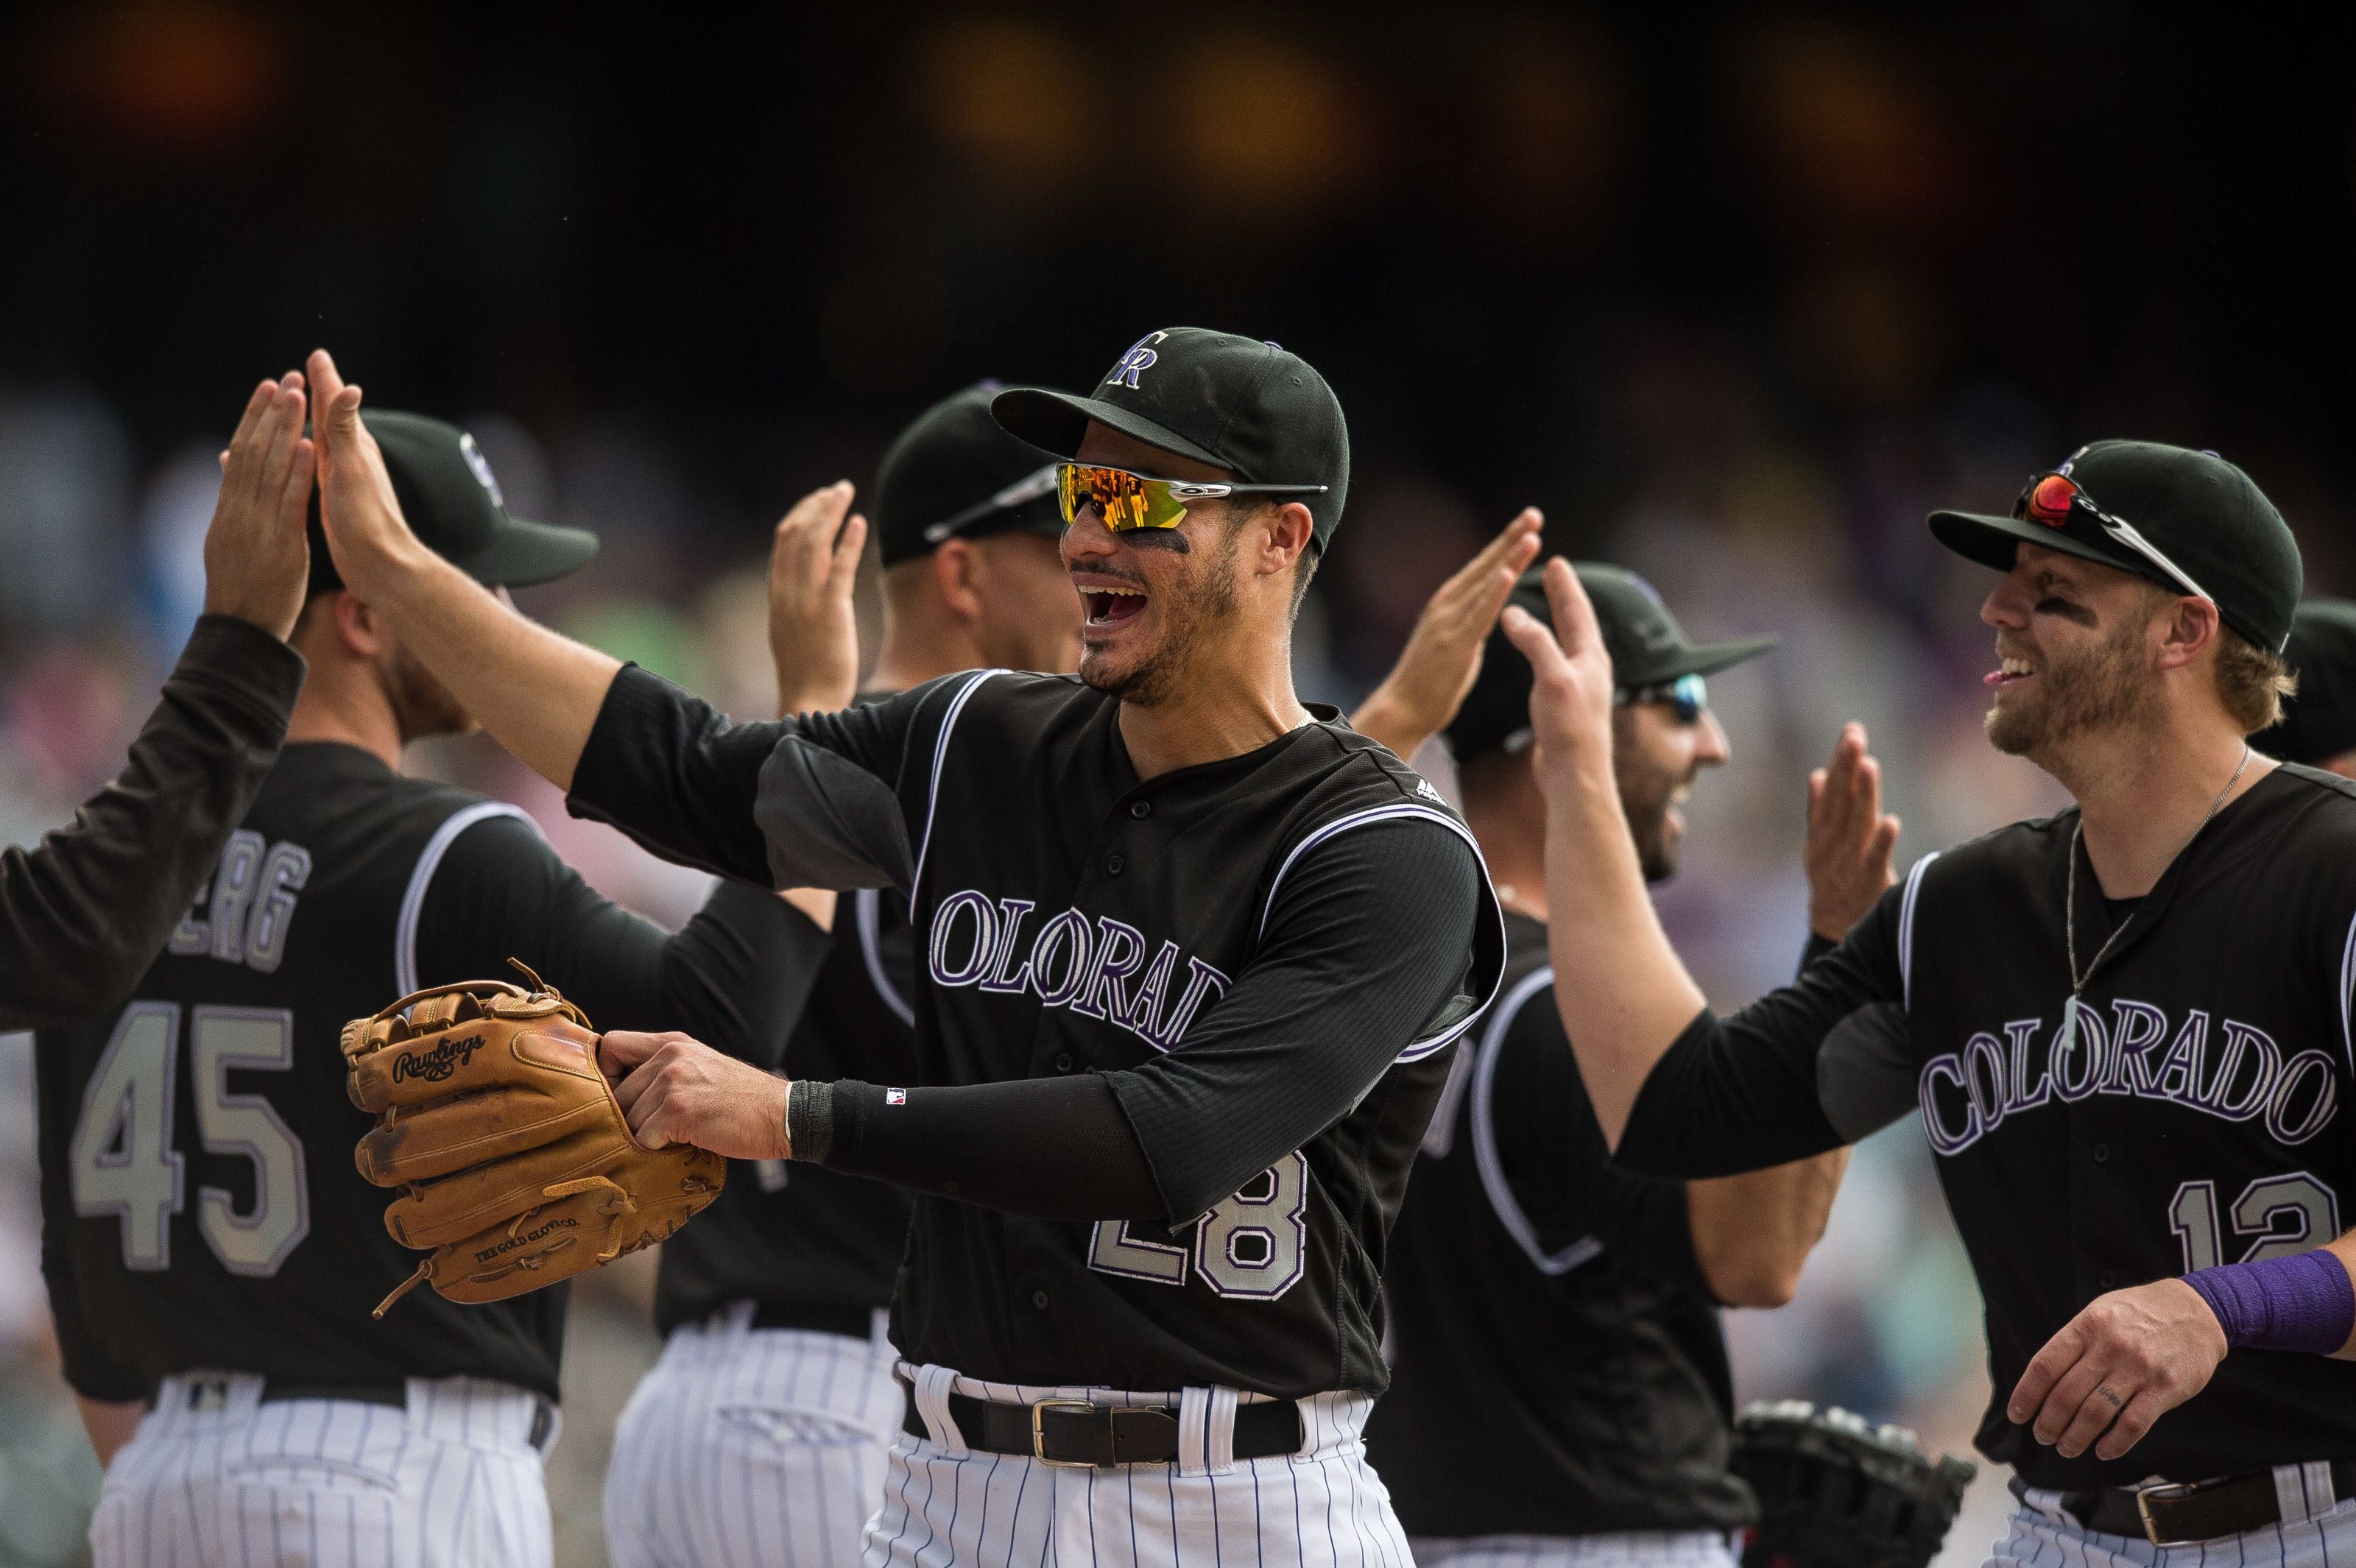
pixel 517 1167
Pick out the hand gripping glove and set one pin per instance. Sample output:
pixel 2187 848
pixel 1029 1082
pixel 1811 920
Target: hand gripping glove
pixel 1838 1492
pixel 517 1166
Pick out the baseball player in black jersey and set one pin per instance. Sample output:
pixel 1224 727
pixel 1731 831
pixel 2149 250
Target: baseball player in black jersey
pixel 1192 957
pixel 1559 1392
pixel 2318 721
pixel 762 1430
pixel 84 912
pixel 2126 1027
pixel 209 1248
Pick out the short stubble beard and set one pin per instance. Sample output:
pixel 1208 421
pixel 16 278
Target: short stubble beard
pixel 2098 689
pixel 1192 610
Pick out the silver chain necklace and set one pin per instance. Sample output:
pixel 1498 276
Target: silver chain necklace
pixel 2069 1037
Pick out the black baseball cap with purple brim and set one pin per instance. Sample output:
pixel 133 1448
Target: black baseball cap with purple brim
pixel 2188 520
pixel 1251 408
pixel 453 503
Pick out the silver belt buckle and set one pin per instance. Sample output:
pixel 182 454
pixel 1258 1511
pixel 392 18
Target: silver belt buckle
pixel 2167 1491
pixel 1039 1436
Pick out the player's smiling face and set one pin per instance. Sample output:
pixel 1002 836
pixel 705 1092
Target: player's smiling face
pixel 2071 651
pixel 1158 606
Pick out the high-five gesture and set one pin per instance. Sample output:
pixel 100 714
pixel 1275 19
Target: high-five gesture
pixel 366 532
pixel 813 633
pixel 1442 655
pixel 1570 692
pixel 256 560
pixel 1849 838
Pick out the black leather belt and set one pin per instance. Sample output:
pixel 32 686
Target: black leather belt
pixel 395 1392
pixel 1074 1432
pixel 851 1322
pixel 2182 1515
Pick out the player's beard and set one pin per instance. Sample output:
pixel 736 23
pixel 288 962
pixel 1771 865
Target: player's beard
pixel 2102 686
pixel 421 705
pixel 1193 609
pixel 1647 792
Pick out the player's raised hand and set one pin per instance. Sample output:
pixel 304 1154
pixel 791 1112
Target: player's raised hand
pixel 1849 838
pixel 1570 692
pixel 1442 657
pixel 677 1090
pixel 366 533
pixel 813 633
pixel 256 560
pixel 2121 1363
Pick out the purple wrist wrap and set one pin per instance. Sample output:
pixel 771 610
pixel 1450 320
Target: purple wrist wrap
pixel 2303 1302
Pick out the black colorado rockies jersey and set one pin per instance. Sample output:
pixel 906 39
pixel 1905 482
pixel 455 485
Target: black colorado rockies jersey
pixel 2189 1116
pixel 1182 936
pixel 1557 1363
pixel 821 1246
pixel 200 1206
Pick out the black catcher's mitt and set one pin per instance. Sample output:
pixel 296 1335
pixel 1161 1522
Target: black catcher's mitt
pixel 1836 1491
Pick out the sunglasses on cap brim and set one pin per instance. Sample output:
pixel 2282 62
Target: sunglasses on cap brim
pixel 1028 488
pixel 2049 498
pixel 1129 501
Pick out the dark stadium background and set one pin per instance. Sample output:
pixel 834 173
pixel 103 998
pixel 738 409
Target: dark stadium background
pixel 1736 293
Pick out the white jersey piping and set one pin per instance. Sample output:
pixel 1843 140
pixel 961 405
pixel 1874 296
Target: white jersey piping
pixel 412 901
pixel 867 906
pixel 1416 1049
pixel 1485 1136
pixel 940 759
pixel 1906 926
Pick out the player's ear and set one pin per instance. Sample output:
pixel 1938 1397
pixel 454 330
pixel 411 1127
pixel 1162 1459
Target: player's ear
pixel 957 570
pixel 358 625
pixel 2187 627
pixel 1279 534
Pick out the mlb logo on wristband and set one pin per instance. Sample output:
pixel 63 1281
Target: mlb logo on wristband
pixel 896 1096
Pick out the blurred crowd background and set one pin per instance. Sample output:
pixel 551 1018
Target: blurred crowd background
pixel 1736 293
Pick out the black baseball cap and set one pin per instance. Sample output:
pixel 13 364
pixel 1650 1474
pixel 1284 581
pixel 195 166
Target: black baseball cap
pixel 1248 407
pixel 2204 529
pixel 1648 650
pixel 452 501
pixel 2319 723
pixel 955 474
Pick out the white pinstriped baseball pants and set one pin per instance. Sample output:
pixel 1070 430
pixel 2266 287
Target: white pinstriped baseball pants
pixel 948 1507
pixel 1616 1549
pixel 2317 1528
pixel 214 1479
pixel 747 1447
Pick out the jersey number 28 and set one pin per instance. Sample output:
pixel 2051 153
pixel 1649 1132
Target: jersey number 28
pixel 1249 1247
pixel 122 1161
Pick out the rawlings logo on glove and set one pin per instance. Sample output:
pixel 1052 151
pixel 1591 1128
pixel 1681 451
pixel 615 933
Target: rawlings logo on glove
pixel 516 1165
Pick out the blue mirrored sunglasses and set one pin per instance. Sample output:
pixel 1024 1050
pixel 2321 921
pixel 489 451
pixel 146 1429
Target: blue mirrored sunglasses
pixel 1688 697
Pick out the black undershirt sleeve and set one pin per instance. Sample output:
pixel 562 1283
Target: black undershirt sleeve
pixel 1742 1092
pixel 1351 966
pixel 83 914
pixel 736 977
pixel 1055 1147
pixel 679 777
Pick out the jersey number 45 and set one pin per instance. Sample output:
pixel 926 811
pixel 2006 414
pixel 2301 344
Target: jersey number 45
pixel 122 1161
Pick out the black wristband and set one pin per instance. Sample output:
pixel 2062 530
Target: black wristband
pixel 810 1120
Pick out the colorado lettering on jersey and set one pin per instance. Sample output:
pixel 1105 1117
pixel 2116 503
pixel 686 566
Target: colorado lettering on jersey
pixel 2137 1051
pixel 1091 967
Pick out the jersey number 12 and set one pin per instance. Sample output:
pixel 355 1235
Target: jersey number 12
pixel 2286 1214
pixel 122 1162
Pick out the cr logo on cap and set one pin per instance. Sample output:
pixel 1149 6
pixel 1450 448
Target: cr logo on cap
pixel 482 467
pixel 1141 355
